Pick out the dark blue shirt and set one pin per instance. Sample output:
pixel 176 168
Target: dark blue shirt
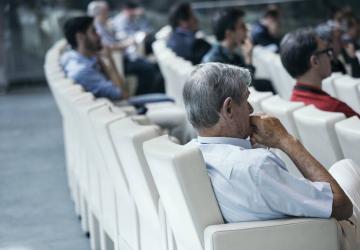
pixel 181 42
pixel 260 36
pixel 221 54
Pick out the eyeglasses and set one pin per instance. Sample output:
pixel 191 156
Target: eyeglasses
pixel 328 51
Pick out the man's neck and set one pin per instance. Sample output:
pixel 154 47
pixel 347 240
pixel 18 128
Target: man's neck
pixel 228 45
pixel 310 79
pixel 85 52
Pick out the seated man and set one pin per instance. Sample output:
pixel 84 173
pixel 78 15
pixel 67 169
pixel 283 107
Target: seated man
pixel 344 59
pixel 307 58
pixel 253 183
pixel 84 65
pixel 147 73
pixel 265 32
pixel 182 39
pixel 230 31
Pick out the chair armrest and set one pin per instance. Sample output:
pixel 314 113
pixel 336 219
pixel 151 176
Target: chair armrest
pixel 287 234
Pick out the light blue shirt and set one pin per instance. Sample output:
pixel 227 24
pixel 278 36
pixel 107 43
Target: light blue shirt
pixel 253 184
pixel 86 71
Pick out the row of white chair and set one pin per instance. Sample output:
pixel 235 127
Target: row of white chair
pixel 119 212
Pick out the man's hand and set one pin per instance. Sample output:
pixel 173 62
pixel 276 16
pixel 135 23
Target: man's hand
pixel 350 50
pixel 247 48
pixel 267 130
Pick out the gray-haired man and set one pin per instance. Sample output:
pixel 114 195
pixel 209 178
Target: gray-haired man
pixel 253 183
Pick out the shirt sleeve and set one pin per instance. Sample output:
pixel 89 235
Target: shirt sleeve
pixel 95 82
pixel 292 196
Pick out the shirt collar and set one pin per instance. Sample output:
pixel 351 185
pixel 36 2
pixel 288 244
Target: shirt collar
pixel 243 143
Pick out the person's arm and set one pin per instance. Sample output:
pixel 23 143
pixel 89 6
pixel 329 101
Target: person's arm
pixel 269 131
pixel 352 60
pixel 112 73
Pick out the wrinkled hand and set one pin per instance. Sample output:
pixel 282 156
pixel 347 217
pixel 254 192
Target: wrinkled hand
pixel 350 50
pixel 267 130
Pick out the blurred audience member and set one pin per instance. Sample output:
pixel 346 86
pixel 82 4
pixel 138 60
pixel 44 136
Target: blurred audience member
pixel 265 32
pixel 182 40
pixel 344 49
pixel 83 63
pixel 130 21
pixel 231 34
pixel 307 58
pixel 147 73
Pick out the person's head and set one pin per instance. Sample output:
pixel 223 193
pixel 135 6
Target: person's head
pixel 182 15
pixel 229 25
pixel 331 33
pixel 132 9
pixel 303 52
pixel 215 97
pixel 81 34
pixel 351 26
pixel 271 19
pixel 98 9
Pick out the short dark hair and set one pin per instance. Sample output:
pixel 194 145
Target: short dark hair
pixel 271 13
pixel 75 25
pixel 296 49
pixel 179 12
pixel 131 5
pixel 225 20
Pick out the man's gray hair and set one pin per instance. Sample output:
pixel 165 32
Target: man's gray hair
pixel 95 7
pixel 207 88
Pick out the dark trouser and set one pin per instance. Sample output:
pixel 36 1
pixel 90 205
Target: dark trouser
pixel 147 73
pixel 263 85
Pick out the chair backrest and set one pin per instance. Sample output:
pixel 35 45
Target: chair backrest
pixel 285 81
pixel 283 110
pixel 317 133
pixel 185 190
pixel 114 179
pixel 128 137
pixel 347 91
pixel 262 70
pixel 256 97
pixel 348 132
pixel 327 84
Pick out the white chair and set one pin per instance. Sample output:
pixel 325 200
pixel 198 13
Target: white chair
pixel 327 84
pixel 347 91
pixel 285 81
pixel 91 163
pixel 256 97
pixel 348 133
pixel 284 110
pixel 120 219
pixel 317 133
pixel 128 137
pixel 180 175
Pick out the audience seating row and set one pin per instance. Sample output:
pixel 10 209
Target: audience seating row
pixel 160 197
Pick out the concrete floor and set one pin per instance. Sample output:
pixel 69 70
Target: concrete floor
pixel 36 211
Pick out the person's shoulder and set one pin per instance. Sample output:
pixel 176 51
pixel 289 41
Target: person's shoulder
pixel 213 55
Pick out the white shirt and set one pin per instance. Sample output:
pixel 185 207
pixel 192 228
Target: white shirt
pixel 254 184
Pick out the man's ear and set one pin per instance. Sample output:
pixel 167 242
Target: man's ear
pixel 314 61
pixel 79 37
pixel 228 34
pixel 227 108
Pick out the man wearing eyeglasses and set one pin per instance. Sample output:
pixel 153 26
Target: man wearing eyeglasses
pixel 307 58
